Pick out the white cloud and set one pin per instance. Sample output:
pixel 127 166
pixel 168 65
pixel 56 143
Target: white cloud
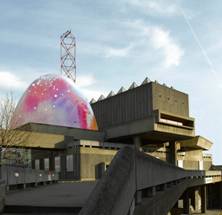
pixel 117 52
pixel 143 36
pixel 157 7
pixel 89 93
pixel 104 50
pixel 85 80
pixel 86 83
pixel 10 81
pixel 161 39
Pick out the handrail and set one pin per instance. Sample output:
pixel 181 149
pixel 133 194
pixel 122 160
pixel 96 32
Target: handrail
pixel 14 175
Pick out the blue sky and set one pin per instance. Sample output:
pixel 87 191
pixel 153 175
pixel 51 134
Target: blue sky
pixel 120 41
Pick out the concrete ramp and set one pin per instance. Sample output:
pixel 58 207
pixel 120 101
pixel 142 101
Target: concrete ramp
pixel 139 184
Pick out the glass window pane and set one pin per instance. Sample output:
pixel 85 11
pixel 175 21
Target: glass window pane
pixel 37 164
pixel 69 163
pixel 57 164
pixel 46 163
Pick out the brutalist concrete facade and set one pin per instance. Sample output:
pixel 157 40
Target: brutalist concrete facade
pixel 141 102
pixel 151 116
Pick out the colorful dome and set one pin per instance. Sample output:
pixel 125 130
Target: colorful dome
pixel 54 100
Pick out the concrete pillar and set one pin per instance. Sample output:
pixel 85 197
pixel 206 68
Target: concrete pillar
pixel 52 162
pixel 186 203
pixel 203 199
pixel 138 196
pixel 161 187
pixel 197 200
pixel 173 152
pixel 63 166
pixel 195 196
pixel 137 142
pixel 33 164
pixel 41 164
pixel 180 203
pixel 151 192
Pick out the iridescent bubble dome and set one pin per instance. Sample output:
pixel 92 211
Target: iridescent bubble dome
pixel 55 100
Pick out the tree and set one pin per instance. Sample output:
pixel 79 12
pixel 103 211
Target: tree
pixel 10 137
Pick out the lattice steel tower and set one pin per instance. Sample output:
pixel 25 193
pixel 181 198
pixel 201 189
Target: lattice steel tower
pixel 68 55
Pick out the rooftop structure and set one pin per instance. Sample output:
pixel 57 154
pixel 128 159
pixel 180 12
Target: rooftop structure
pixel 162 114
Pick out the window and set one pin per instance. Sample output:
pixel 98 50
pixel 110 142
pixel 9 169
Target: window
pixel 37 164
pixel 180 163
pixel 69 163
pixel 200 165
pixel 57 164
pixel 46 164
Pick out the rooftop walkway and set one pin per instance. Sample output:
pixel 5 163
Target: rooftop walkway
pixel 67 197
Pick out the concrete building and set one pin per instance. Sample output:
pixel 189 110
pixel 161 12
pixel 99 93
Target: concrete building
pixel 151 117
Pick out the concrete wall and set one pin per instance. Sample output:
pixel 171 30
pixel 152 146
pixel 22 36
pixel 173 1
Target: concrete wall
pixel 195 160
pixel 80 161
pixel 128 106
pixel 42 154
pixel 91 158
pixel 191 164
pixel 139 103
pixel 114 193
pixel 208 162
pixel 159 151
pixel 70 168
pixel 187 160
pixel 170 100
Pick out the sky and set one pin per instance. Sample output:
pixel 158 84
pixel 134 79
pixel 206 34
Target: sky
pixel 176 42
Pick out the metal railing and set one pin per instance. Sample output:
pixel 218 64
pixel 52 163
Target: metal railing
pixel 22 175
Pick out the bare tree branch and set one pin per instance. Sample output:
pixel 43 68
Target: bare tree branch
pixel 10 135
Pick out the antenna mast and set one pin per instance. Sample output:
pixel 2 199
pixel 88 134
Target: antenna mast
pixel 68 55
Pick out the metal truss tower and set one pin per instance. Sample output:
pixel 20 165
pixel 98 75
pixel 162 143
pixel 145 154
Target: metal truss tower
pixel 68 55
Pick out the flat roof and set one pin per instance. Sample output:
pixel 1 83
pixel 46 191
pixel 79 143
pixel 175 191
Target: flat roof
pixel 77 133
